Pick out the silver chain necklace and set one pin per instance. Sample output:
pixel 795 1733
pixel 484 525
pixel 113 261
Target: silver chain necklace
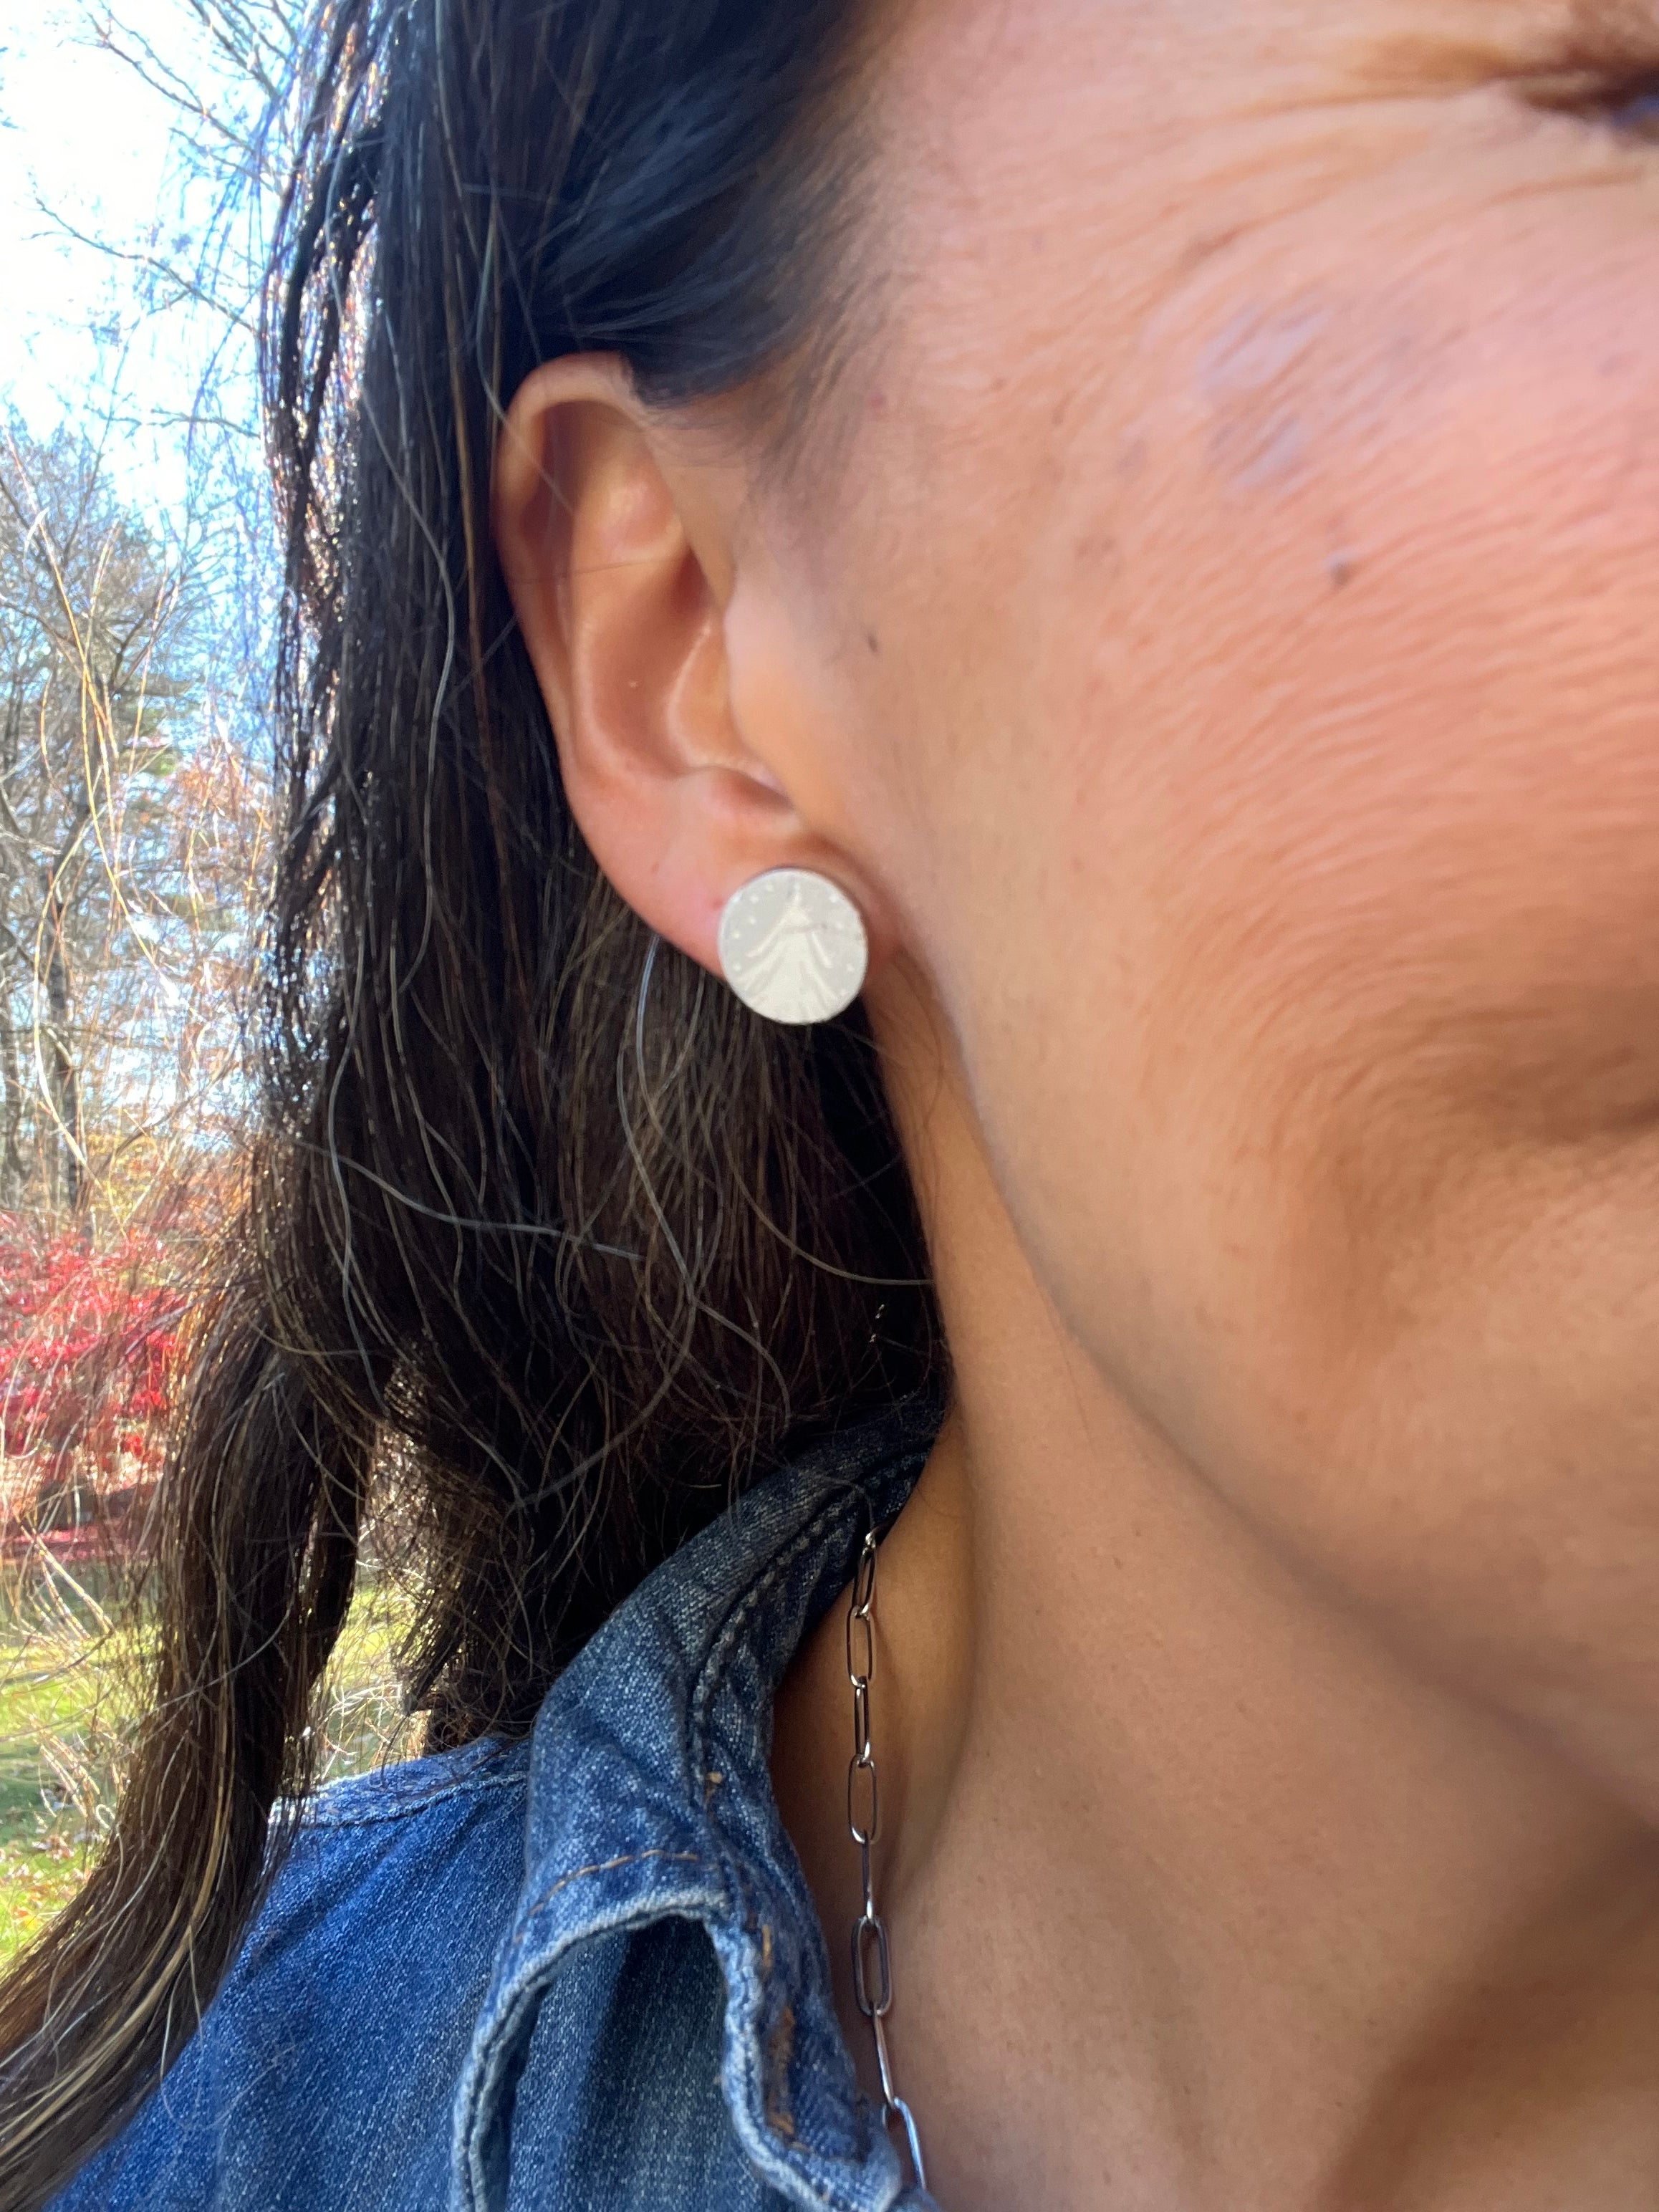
pixel 864 1823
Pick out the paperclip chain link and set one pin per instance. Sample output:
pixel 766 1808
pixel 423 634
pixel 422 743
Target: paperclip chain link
pixel 870 1955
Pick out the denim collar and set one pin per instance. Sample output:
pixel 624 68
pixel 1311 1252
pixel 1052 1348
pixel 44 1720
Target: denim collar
pixel 650 1796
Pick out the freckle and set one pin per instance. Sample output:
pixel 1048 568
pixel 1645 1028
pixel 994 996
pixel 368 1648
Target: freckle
pixel 1095 549
pixel 873 641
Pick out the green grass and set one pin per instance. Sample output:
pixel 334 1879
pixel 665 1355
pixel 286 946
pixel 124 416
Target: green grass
pixel 42 1855
pixel 66 1705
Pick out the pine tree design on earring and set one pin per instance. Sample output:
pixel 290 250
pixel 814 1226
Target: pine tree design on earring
pixel 793 945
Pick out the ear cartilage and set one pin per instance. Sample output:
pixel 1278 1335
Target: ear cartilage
pixel 793 945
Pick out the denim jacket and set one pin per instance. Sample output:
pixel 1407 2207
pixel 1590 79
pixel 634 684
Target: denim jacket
pixel 579 1973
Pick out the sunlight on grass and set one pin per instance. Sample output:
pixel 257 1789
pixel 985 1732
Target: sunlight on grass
pixel 66 1710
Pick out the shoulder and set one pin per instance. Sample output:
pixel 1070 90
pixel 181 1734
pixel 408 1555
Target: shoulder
pixel 372 1869
pixel 580 1972
pixel 330 2055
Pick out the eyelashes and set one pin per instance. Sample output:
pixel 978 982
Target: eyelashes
pixel 1634 113
pixel 1627 105
pixel 1603 70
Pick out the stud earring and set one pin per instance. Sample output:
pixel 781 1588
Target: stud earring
pixel 793 945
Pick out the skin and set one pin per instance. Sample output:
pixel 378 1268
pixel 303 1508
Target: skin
pixel 1209 635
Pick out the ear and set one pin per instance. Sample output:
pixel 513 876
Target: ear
pixel 616 541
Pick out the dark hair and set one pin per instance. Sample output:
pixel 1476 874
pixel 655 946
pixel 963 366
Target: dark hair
pixel 541 1215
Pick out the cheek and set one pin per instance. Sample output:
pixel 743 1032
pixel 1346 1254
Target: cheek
pixel 1395 862
pixel 1331 807
pixel 1294 887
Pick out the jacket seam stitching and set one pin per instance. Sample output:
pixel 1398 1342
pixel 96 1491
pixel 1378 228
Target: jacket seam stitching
pixel 715 1666
pixel 315 1818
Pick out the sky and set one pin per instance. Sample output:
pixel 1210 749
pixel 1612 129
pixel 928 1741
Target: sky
pixel 82 139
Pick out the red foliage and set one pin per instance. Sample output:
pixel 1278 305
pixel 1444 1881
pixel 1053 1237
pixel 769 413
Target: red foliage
pixel 89 1337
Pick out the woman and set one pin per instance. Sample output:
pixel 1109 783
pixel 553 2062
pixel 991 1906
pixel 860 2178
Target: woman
pixel 1149 511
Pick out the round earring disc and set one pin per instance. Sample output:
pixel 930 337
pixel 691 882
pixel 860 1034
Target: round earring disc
pixel 793 945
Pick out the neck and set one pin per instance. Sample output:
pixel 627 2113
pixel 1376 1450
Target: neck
pixel 1199 1894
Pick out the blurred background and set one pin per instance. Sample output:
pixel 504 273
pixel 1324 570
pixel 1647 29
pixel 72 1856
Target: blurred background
pixel 140 159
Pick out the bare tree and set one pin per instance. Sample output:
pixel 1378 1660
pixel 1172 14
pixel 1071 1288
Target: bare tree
pixel 115 815
pixel 190 269
pixel 135 628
